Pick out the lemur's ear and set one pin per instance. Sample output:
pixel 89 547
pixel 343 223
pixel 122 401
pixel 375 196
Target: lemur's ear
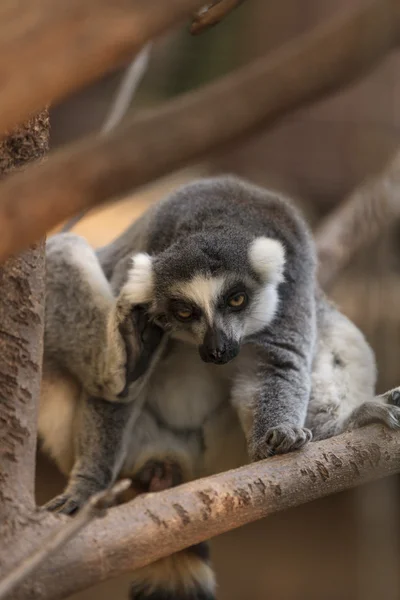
pixel 140 284
pixel 267 258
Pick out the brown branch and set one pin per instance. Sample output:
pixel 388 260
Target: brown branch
pixel 66 44
pixel 186 129
pixel 21 330
pixel 199 510
pixel 358 221
pixel 211 14
pixel 95 508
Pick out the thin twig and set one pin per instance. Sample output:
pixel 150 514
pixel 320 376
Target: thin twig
pixel 211 14
pixel 96 507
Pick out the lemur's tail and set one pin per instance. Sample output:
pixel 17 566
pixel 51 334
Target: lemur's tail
pixel 186 575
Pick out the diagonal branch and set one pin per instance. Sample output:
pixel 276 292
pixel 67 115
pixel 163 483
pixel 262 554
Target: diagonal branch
pixel 153 144
pixel 199 510
pixel 358 221
pixel 66 44
pixel 96 507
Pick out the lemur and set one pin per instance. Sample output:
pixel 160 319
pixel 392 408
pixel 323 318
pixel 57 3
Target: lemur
pixel 202 319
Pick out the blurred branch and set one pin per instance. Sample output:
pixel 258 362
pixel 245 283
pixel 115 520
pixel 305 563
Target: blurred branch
pixel 157 142
pixel 96 507
pixel 177 518
pixel 211 14
pixel 369 210
pixel 66 44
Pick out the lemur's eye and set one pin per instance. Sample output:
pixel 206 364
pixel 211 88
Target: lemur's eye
pixel 237 301
pixel 184 314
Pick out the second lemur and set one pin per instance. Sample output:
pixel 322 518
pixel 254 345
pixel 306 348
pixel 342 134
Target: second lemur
pixel 205 314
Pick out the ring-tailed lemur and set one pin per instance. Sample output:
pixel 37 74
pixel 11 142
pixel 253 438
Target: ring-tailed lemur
pixel 207 307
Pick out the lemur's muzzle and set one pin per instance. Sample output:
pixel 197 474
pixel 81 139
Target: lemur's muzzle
pixel 217 347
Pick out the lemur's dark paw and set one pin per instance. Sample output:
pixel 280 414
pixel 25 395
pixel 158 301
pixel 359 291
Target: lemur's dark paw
pixel 280 440
pixel 66 504
pixel 157 475
pixel 393 397
pixel 141 337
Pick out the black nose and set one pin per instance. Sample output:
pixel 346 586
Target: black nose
pixel 217 347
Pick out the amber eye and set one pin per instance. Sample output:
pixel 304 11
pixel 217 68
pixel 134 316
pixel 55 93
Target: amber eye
pixel 237 301
pixel 185 314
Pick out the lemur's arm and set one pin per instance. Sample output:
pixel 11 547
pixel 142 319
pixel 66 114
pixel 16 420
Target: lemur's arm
pixel 278 384
pixel 100 340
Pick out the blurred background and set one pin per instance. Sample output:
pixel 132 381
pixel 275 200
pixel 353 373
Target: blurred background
pixel 345 546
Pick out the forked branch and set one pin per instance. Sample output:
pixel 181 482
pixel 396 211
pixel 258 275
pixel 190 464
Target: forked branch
pixel 184 130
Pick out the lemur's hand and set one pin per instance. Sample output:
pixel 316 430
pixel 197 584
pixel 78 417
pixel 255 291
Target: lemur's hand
pixel 141 338
pixel 280 440
pixel 132 340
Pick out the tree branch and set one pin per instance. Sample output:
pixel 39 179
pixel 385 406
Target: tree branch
pixel 64 45
pixel 186 129
pixel 21 330
pixel 96 507
pixel 199 510
pixel 358 221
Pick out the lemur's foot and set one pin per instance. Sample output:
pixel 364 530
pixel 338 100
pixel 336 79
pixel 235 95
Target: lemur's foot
pixel 377 412
pixel 157 475
pixel 75 496
pixel 67 503
pixel 280 440
pixel 391 397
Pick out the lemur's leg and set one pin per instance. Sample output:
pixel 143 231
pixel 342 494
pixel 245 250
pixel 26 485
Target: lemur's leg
pixel 186 575
pixel 343 382
pixel 101 432
pixel 104 342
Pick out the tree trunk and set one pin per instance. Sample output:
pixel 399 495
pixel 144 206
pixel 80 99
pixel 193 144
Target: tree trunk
pixel 21 334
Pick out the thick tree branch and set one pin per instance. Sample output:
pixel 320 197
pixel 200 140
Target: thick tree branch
pixel 186 129
pixel 21 329
pixel 177 518
pixel 96 507
pixel 64 45
pixel 358 221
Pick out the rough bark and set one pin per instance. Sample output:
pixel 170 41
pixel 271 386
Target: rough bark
pixel 155 525
pixel 21 328
pixel 84 40
pixel 186 129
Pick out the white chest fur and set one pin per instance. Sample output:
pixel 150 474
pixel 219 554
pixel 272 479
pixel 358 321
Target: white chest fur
pixel 187 390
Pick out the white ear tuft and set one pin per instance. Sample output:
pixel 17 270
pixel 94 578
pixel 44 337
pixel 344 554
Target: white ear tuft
pixel 267 257
pixel 140 284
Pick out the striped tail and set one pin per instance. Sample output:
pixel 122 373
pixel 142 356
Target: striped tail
pixel 186 575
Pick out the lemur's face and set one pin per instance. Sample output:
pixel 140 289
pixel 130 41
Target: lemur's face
pixel 214 311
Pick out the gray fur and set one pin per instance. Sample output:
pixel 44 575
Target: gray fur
pixel 287 366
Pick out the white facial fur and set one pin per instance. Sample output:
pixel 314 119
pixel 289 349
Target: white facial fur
pixel 203 291
pixel 267 257
pixel 140 284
